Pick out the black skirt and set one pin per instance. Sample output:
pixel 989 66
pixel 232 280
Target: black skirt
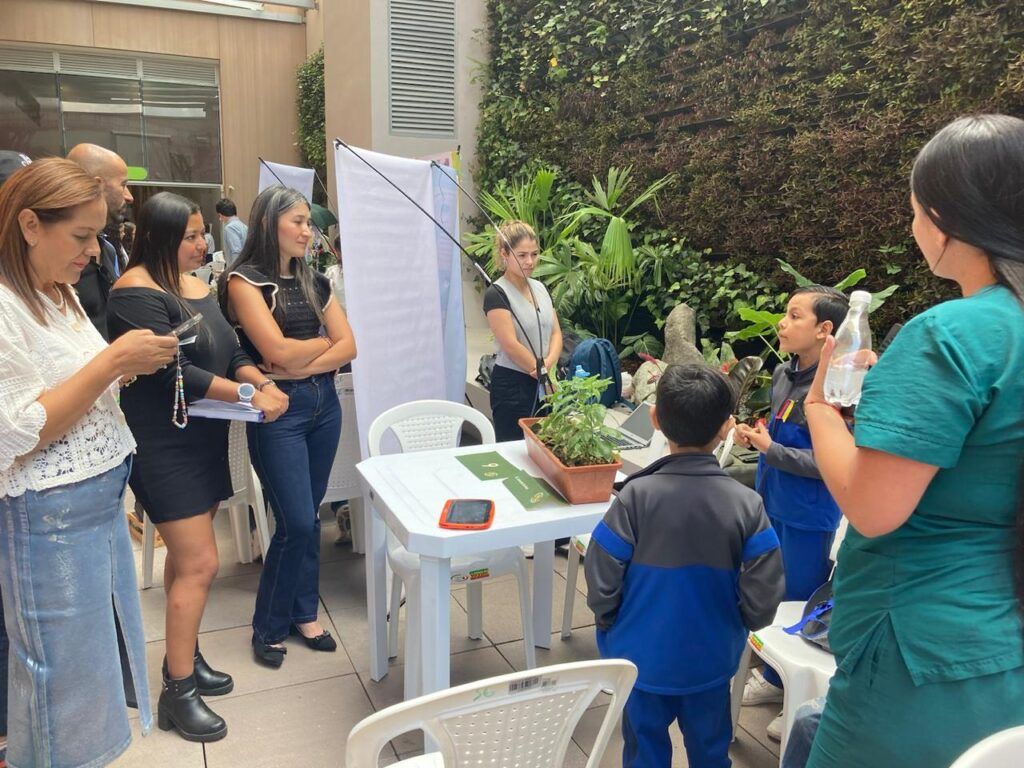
pixel 177 473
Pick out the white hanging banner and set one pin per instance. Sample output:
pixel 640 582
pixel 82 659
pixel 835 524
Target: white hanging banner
pixel 393 284
pixel 288 176
pixel 449 277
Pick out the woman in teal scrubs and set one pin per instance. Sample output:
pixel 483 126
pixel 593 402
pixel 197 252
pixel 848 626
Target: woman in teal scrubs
pixel 927 627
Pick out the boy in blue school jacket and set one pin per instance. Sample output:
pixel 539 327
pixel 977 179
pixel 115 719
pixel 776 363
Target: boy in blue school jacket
pixel 799 505
pixel 683 566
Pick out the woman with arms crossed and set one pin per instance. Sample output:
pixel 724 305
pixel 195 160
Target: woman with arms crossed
pixel 66 563
pixel 927 627
pixel 292 326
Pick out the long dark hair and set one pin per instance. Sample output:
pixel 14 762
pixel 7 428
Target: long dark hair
pixel 969 179
pixel 158 234
pixel 262 250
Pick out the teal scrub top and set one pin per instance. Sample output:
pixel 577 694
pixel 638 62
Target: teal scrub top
pixel 948 392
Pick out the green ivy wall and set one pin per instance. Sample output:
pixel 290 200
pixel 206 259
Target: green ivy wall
pixel 792 124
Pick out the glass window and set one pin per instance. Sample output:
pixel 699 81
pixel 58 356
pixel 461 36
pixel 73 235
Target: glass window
pixel 104 111
pixel 182 125
pixel 29 115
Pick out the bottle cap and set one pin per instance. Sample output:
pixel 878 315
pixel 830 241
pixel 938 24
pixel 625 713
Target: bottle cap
pixel 860 297
pixel 580 373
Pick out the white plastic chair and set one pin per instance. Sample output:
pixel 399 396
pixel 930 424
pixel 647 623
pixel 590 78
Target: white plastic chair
pixel 343 484
pixel 523 719
pixel 578 547
pixel 740 680
pixel 425 425
pixel 1000 750
pixel 248 492
pixel 805 669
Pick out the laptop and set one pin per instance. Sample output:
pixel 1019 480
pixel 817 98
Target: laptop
pixel 637 430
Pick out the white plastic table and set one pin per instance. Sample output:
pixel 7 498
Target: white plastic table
pixel 407 492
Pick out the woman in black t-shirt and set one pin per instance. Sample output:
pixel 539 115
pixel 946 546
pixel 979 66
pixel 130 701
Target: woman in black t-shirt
pixel 180 473
pixel 525 326
pixel 289 322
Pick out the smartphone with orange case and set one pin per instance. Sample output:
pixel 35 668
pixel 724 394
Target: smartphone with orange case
pixel 467 514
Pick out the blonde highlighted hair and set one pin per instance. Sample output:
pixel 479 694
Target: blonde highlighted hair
pixel 51 189
pixel 510 233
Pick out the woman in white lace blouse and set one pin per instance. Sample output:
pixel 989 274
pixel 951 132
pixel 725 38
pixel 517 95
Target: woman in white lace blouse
pixel 66 562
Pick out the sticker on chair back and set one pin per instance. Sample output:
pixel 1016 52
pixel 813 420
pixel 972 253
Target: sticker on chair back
pixel 756 643
pixel 531 683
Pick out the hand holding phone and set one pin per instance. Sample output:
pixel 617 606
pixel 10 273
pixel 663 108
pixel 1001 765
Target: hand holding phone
pixel 187 326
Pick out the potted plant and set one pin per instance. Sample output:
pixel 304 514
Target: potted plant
pixel 571 445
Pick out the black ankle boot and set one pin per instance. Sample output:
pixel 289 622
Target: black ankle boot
pixel 181 708
pixel 209 681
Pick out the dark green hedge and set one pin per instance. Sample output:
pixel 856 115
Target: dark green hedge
pixel 310 102
pixel 792 124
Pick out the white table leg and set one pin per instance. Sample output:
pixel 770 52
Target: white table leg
pixel 375 545
pixel 543 583
pixel 435 646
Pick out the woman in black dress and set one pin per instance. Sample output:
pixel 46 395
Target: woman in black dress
pixel 180 473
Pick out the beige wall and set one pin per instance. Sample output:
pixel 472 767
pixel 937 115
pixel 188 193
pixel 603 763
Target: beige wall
pixel 257 61
pixel 356 72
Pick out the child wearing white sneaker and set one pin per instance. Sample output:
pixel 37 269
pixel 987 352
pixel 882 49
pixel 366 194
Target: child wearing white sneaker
pixel 799 505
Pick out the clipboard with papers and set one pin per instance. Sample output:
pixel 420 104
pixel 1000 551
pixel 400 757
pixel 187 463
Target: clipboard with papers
pixel 205 408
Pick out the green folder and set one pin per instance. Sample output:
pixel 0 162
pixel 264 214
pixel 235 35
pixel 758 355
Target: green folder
pixel 531 491
pixel 487 466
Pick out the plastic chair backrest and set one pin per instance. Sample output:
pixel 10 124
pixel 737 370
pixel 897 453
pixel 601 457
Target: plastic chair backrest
pixel 523 719
pixel 203 273
pixel 427 425
pixel 1000 750
pixel 238 458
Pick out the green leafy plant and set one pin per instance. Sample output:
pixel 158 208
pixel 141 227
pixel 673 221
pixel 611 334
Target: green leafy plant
pixel 791 124
pixel 574 430
pixel 533 199
pixel 752 383
pixel 311 104
pixel 607 202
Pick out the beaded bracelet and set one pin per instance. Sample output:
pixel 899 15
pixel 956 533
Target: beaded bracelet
pixel 179 416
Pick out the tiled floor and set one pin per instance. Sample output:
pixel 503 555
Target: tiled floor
pixel 301 713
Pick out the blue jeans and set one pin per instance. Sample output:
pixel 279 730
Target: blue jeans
pixel 705 719
pixel 66 570
pixel 805 725
pixel 293 458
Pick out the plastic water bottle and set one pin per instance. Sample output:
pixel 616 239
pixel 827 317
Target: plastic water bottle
pixel 851 356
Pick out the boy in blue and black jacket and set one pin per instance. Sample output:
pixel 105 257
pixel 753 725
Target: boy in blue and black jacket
pixel 683 566
pixel 799 505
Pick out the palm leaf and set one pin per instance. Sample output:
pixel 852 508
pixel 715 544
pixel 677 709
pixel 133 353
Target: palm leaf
pixel 789 269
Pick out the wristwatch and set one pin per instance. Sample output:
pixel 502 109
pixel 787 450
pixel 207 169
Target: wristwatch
pixel 246 392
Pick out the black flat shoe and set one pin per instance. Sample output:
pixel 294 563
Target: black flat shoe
pixel 322 642
pixel 268 655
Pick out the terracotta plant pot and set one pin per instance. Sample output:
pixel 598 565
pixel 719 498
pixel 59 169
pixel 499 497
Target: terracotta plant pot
pixel 580 485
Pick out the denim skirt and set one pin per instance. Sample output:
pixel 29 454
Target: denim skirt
pixel 66 568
